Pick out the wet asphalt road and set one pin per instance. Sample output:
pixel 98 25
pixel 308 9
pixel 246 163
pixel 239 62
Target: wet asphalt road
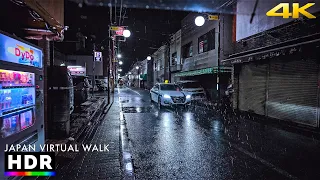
pixel 197 144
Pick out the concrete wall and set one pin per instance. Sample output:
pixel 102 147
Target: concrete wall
pixel 159 64
pixel 87 61
pixel 261 22
pixel 175 46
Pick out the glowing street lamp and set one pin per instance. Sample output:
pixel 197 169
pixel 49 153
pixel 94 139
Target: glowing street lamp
pixel 126 33
pixel 149 58
pixel 120 62
pixel 119 55
pixel 199 21
pixel 120 70
pixel 137 67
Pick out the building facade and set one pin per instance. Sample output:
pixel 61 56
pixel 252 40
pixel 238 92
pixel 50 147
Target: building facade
pixel 160 64
pixel 276 65
pixel 202 49
pixel 175 56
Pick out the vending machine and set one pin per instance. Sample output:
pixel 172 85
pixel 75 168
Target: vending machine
pixel 21 95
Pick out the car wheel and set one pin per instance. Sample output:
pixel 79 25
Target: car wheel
pixel 159 103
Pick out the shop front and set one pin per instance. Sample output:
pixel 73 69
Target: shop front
pixel 21 95
pixel 280 81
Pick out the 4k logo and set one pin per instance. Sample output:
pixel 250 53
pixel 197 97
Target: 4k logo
pixel 296 10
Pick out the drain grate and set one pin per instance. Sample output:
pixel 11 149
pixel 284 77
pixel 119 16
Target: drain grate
pixel 136 109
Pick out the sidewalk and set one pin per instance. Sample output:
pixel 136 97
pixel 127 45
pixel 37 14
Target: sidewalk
pixel 95 165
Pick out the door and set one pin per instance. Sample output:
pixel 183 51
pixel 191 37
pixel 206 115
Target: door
pixel 252 88
pixel 293 90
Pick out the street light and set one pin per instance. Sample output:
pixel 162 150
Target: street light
pixel 199 21
pixel 149 58
pixel 137 67
pixel 119 56
pixel 126 33
pixel 120 70
pixel 120 62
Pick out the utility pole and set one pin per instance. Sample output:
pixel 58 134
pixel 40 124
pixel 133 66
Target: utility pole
pixel 93 68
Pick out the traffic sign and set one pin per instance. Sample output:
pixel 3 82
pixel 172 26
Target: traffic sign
pixel 97 56
pixel 213 17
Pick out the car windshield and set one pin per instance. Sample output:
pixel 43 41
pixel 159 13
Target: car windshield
pixel 190 85
pixel 169 87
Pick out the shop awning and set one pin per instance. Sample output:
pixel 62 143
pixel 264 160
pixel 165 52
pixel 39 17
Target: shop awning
pixel 143 77
pixel 211 70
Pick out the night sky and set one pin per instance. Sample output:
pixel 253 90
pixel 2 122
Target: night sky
pixel 149 29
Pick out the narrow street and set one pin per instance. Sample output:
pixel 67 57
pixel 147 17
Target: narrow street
pixel 170 144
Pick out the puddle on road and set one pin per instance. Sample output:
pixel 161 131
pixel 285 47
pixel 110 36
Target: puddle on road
pixel 137 109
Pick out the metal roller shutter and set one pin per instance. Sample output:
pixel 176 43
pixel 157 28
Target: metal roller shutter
pixel 252 88
pixel 292 91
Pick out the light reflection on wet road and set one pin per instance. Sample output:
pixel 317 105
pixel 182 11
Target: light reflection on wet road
pixel 171 144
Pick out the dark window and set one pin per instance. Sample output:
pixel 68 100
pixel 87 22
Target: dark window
pixel 190 85
pixel 206 42
pixel 187 50
pixel 174 58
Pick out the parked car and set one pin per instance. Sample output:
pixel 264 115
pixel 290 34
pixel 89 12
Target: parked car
pixel 169 94
pixel 81 89
pixel 194 87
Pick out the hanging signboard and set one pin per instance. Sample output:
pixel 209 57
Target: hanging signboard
pixel 118 30
pixel 213 17
pixel 77 70
pixel 97 56
pixel 12 50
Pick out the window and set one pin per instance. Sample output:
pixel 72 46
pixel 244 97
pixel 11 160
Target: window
pixel 187 50
pixel 174 59
pixel 170 87
pixel 206 42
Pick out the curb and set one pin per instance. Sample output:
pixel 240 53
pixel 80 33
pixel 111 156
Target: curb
pixel 127 160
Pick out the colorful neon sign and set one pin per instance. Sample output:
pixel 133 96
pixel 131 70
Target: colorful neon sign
pixel 12 50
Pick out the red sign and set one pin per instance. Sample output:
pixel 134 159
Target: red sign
pixel 119 32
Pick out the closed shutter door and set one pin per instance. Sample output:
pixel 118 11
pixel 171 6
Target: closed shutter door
pixel 293 88
pixel 252 88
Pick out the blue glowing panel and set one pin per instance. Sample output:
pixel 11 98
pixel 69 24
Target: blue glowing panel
pixel 12 50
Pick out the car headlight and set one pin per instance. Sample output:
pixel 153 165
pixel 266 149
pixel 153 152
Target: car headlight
pixel 166 96
pixel 188 96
